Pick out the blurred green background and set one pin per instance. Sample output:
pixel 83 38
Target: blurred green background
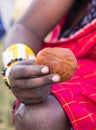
pixel 14 9
pixel 6 101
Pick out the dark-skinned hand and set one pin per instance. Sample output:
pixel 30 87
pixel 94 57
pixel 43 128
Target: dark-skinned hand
pixel 31 83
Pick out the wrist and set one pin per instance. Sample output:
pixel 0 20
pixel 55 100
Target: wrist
pixel 13 54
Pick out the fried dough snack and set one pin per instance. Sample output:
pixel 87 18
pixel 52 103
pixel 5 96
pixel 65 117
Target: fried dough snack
pixel 59 60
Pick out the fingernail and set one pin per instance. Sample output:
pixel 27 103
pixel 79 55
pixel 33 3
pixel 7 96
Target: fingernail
pixel 45 70
pixel 56 78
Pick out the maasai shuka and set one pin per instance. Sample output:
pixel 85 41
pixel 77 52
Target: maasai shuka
pixel 78 95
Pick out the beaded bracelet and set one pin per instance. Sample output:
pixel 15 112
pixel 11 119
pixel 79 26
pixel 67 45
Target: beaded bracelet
pixel 4 76
pixel 13 54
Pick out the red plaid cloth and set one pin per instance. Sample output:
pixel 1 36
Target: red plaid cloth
pixel 78 95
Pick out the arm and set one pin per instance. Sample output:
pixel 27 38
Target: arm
pixel 37 21
pixel 31 83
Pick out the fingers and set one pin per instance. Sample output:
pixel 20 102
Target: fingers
pixel 31 96
pixel 34 93
pixel 31 83
pixel 25 71
pixel 26 62
pixel 35 82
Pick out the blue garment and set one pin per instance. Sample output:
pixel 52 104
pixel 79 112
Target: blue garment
pixel 2 29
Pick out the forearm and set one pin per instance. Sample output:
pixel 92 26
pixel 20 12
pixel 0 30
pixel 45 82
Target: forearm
pixel 21 34
pixel 37 22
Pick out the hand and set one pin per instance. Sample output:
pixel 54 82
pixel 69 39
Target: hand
pixel 31 83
